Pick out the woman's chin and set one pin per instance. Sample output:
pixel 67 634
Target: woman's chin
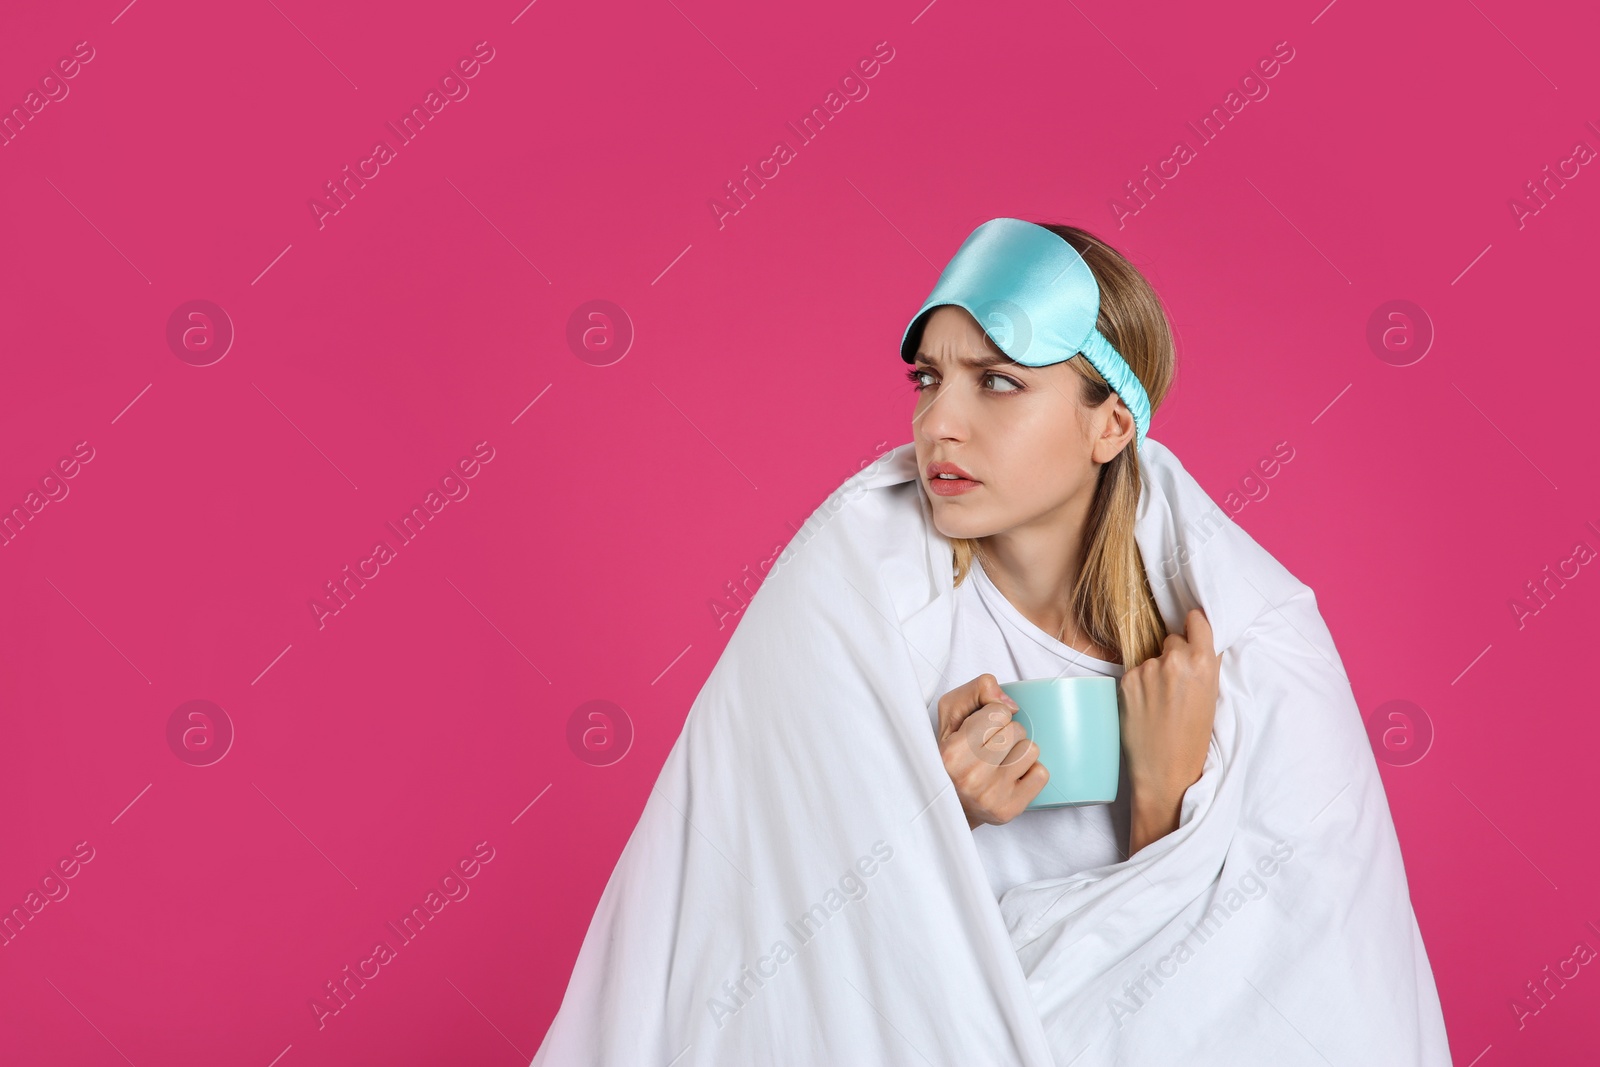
pixel 955 527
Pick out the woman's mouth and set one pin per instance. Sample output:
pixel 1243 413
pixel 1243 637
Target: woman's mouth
pixel 947 479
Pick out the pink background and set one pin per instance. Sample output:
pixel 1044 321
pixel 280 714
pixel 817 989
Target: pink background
pixel 373 753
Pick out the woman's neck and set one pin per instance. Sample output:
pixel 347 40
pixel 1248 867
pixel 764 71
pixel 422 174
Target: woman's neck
pixel 1035 567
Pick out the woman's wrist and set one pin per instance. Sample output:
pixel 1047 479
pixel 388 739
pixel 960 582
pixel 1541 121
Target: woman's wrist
pixel 1154 816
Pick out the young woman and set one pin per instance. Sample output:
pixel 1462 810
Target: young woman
pixel 803 887
pixel 1033 475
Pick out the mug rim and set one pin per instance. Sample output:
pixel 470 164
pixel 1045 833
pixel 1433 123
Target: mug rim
pixel 1070 679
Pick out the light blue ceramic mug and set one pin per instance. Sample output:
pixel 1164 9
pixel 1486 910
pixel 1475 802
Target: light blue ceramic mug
pixel 1074 722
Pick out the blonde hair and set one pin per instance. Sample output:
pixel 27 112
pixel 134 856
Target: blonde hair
pixel 1111 599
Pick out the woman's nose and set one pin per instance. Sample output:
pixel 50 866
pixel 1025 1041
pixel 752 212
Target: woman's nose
pixel 942 417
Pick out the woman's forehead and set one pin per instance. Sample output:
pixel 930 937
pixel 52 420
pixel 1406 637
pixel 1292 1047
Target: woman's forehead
pixel 951 333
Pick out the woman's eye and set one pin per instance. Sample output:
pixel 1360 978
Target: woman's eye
pixel 916 375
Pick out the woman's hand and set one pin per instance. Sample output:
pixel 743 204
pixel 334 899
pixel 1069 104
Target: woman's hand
pixel 1170 703
pixel 991 762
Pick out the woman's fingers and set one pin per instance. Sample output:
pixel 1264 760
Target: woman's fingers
pixel 997 792
pixel 1022 777
pixel 991 761
pixel 1169 708
pixel 993 736
pixel 1196 634
pixel 1023 759
pixel 956 705
pixel 1198 631
pixel 1031 784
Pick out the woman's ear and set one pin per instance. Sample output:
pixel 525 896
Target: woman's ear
pixel 1115 429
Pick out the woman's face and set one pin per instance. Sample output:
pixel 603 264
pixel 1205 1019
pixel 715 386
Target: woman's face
pixel 1028 448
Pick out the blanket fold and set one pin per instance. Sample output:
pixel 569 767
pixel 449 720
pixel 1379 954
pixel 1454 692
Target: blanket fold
pixel 802 887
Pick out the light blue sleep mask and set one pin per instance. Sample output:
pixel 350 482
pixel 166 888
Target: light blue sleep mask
pixel 1037 300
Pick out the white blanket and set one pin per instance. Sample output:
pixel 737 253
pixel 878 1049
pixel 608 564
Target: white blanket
pixel 802 888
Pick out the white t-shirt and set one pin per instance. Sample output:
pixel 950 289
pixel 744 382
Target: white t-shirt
pixel 992 637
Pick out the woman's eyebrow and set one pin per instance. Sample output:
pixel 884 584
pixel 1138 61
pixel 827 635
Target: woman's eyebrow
pixel 988 359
